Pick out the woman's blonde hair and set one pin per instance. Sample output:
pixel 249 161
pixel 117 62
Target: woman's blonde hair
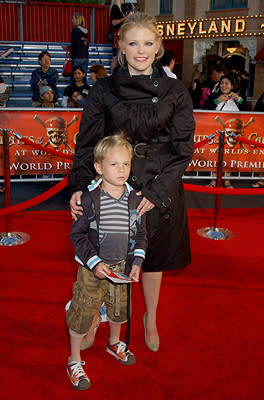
pixel 142 20
pixel 108 142
pixel 80 20
pixel 116 2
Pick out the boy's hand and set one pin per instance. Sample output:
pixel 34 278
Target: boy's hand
pixel 135 272
pixel 100 267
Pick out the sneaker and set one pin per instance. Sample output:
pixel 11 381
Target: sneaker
pixel 118 351
pixel 77 375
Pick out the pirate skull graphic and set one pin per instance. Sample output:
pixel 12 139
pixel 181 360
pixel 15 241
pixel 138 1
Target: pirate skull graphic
pixel 56 130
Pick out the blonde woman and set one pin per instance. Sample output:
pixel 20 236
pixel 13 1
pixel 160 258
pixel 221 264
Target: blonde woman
pixel 117 17
pixel 155 112
pixel 79 42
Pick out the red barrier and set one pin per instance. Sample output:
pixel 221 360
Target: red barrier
pixel 36 200
pixel 62 184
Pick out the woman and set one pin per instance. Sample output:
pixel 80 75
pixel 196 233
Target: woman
pixel 97 71
pixel 75 94
pixel 79 43
pixel 225 100
pixel 155 112
pixel 117 17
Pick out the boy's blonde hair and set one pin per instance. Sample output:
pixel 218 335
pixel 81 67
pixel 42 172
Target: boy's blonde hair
pixel 142 20
pixel 108 142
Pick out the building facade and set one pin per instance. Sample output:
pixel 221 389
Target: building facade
pixel 202 32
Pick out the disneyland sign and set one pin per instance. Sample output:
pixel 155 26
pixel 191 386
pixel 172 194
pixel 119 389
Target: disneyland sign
pixel 212 27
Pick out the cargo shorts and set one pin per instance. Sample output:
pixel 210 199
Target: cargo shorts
pixel 89 293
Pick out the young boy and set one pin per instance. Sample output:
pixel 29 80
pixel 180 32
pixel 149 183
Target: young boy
pixel 109 235
pixel 47 96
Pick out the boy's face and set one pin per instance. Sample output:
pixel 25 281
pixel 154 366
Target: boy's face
pixel 48 96
pixel 115 167
pixel 45 61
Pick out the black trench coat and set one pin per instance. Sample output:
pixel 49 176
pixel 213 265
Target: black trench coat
pixel 156 116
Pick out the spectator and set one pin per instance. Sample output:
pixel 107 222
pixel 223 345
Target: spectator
pixel 117 17
pixel 75 94
pixel 168 61
pixel 196 92
pixel 4 93
pixel 97 71
pixel 47 97
pixel 79 43
pixel 217 72
pixel 226 98
pixel 43 76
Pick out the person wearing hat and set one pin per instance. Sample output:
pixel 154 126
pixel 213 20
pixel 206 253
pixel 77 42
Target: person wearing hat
pixel 47 96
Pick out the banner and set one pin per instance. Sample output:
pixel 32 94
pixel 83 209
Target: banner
pixel 52 129
pixel 58 129
pixel 238 157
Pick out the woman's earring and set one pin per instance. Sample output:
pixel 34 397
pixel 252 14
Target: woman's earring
pixel 123 53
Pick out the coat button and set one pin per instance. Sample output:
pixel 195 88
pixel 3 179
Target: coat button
pixel 154 99
pixel 156 83
pixel 134 178
pixel 166 216
pixel 155 140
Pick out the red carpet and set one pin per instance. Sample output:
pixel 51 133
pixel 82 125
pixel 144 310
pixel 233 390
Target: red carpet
pixel 211 318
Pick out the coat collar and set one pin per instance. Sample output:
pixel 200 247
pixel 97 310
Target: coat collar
pixel 141 88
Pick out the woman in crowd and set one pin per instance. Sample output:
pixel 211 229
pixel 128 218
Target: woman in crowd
pixel 79 43
pixel 75 94
pixel 155 112
pixel 97 71
pixel 226 99
pixel 117 17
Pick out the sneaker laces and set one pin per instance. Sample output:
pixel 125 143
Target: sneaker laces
pixel 77 369
pixel 121 347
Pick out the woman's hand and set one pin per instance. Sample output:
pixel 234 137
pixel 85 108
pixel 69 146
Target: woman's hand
pixel 223 97
pixel 234 96
pixel 75 204
pixel 135 272
pixel 145 205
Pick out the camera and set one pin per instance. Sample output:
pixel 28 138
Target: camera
pixel 127 8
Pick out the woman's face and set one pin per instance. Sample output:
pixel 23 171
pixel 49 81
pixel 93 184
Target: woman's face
pixel 93 76
pixel 140 47
pixel 226 86
pixel 74 22
pixel 78 75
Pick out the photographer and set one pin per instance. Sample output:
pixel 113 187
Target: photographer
pixel 118 14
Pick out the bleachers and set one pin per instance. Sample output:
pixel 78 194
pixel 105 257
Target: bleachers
pixel 16 69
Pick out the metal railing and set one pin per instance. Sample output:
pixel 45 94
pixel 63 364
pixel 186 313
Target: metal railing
pixel 50 22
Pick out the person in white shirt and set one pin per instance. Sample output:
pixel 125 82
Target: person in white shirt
pixel 168 61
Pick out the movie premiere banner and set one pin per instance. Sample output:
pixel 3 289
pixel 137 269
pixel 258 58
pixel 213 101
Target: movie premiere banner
pixel 58 129
pixel 55 130
pixel 238 157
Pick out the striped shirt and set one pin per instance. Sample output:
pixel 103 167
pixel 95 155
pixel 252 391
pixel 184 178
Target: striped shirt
pixel 113 227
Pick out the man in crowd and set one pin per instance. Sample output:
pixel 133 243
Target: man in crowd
pixel 168 61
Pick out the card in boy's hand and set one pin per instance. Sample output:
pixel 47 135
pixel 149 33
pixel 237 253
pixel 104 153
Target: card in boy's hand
pixel 118 277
